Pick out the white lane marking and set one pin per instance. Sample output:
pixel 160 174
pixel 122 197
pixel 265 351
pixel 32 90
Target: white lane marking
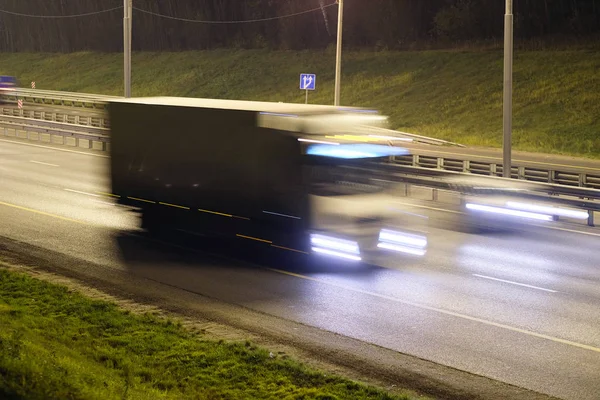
pixel 55 148
pixel 514 283
pixel 80 192
pixel 44 163
pixel 442 311
pixel 573 231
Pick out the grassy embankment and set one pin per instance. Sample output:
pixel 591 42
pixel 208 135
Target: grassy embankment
pixel 57 344
pixel 454 95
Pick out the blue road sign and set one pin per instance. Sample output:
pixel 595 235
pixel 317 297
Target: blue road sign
pixel 308 81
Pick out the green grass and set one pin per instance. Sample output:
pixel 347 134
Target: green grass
pixel 453 95
pixel 57 344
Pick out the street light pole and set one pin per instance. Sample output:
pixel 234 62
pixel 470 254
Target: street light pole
pixel 128 7
pixel 508 88
pixel 338 57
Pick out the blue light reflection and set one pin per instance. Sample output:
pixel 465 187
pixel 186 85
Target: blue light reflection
pixel 358 150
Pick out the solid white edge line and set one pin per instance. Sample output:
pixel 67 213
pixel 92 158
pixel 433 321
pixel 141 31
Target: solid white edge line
pixel 573 231
pixel 515 283
pixel 55 148
pixel 44 163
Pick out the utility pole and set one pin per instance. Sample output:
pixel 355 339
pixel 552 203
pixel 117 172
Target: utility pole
pixel 338 58
pixel 128 8
pixel 508 88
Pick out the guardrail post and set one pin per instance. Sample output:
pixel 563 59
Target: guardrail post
pixel 415 160
pixel 582 179
pixel 591 218
pixel 440 163
pixel 434 194
pixel 521 173
pixel 466 165
pixel 493 169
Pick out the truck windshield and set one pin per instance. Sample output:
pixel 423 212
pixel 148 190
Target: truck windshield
pixel 341 169
pixel 342 177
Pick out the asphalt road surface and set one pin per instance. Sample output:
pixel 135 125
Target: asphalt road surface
pixel 522 307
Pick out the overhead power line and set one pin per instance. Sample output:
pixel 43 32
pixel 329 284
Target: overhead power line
pixel 60 16
pixel 247 21
pixel 169 16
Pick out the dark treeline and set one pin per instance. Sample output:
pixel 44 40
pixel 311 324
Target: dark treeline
pixel 389 24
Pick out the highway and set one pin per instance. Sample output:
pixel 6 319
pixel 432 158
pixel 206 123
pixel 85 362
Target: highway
pixel 521 307
pixel 529 159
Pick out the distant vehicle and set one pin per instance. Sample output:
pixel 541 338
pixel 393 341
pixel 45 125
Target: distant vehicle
pixel 282 176
pixel 8 84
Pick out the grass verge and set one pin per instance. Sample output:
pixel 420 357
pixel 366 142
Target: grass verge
pixel 453 95
pixel 58 344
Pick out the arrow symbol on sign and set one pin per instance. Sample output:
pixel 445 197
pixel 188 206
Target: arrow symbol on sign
pixel 307 81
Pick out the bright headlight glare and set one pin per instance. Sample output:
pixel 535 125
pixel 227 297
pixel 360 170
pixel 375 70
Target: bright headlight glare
pixel 401 249
pixel 335 244
pixel 402 238
pixel 336 254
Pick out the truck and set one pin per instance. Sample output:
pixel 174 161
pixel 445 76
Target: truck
pixel 285 177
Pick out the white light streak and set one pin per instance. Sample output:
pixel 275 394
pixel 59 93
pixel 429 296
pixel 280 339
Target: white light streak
pixel 561 212
pixel 508 212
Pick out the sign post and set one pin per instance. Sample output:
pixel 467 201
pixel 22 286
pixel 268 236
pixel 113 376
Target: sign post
pixel 308 82
pixel 508 90
pixel 127 11
pixel 338 54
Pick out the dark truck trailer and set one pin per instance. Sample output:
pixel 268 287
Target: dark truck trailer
pixel 244 170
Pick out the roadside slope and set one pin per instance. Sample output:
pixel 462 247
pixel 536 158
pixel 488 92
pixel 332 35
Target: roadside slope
pixel 454 95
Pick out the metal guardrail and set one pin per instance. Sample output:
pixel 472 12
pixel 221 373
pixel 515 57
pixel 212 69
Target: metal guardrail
pixel 451 177
pixel 55 132
pixel 466 183
pixel 575 176
pixel 36 96
pixel 98 120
